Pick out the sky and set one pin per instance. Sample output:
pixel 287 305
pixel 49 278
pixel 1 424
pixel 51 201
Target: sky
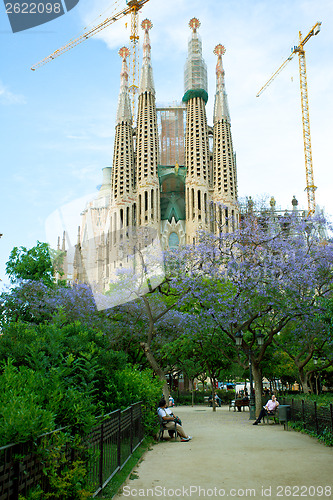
pixel 57 123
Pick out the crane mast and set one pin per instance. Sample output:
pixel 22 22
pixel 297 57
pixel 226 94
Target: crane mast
pixel 310 186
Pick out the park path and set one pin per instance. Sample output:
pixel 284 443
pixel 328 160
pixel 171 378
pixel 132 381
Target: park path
pixel 228 456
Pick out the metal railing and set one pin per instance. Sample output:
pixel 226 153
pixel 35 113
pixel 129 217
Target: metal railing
pixel 112 442
pixel 313 417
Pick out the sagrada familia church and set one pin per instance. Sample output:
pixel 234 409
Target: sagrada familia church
pixel 172 174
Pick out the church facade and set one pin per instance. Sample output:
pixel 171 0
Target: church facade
pixel 172 173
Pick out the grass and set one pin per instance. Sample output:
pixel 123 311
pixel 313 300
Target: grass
pixel 127 471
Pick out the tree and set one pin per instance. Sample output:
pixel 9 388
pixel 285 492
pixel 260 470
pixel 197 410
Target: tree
pixel 302 341
pixel 185 357
pixel 257 280
pixel 33 264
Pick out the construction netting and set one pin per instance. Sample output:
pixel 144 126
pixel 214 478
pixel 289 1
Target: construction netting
pixel 171 125
pixel 195 66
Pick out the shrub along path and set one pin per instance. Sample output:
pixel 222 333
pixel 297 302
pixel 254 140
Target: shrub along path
pixel 228 456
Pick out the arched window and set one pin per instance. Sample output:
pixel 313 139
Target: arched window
pixel 121 218
pixel 127 216
pixel 140 208
pixel 192 191
pixel 173 240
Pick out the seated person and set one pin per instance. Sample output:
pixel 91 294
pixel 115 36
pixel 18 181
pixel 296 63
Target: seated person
pixel 169 420
pixel 218 400
pixel 268 409
pixel 242 401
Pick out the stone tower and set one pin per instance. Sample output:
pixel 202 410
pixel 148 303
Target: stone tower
pixel 147 150
pixel 197 155
pixel 122 183
pixel 224 161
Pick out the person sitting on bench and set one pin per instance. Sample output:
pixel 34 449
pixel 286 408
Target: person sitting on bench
pixel 169 420
pixel 268 409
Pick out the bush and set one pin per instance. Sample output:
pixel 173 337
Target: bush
pixel 324 399
pixel 64 376
pixel 23 415
pixel 131 385
pixel 62 478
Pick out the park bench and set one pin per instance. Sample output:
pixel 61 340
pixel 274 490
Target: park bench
pixel 209 402
pixel 163 428
pixel 272 417
pixel 239 404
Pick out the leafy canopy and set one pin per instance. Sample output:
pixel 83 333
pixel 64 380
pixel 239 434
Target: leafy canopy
pixel 33 264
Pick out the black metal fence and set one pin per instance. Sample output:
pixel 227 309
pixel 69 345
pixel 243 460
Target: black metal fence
pixel 313 417
pixel 112 442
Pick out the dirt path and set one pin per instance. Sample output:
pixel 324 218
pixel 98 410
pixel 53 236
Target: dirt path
pixel 228 456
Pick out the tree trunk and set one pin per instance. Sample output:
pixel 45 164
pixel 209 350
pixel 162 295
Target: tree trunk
pixel 257 378
pixel 192 390
pixel 212 381
pixel 304 381
pixel 157 369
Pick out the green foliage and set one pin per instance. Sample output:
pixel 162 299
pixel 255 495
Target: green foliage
pixel 53 377
pixel 276 364
pixel 131 385
pixel 326 437
pixel 62 478
pixel 22 415
pixel 64 376
pixel 324 399
pixel 66 479
pixel 33 264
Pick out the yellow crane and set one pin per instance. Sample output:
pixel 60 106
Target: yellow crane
pixel 299 49
pixel 133 7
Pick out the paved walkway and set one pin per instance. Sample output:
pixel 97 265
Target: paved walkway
pixel 228 456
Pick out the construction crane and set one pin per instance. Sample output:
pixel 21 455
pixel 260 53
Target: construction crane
pixel 299 49
pixel 133 7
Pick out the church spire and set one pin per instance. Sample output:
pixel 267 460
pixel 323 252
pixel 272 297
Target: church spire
pixel 224 159
pixel 221 109
pixel 147 143
pixel 122 177
pixel 197 155
pixel 146 80
pixel 124 105
pixel 195 81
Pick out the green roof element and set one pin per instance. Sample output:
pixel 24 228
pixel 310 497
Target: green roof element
pixel 190 94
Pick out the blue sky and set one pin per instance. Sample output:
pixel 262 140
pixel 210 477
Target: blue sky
pixel 57 123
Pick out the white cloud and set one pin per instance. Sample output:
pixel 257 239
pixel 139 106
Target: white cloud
pixel 8 97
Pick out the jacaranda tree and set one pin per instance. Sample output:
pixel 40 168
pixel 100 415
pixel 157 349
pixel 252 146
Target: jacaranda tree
pixel 256 280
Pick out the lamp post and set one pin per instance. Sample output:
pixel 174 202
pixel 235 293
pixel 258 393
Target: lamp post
pixel 260 341
pixel 317 375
